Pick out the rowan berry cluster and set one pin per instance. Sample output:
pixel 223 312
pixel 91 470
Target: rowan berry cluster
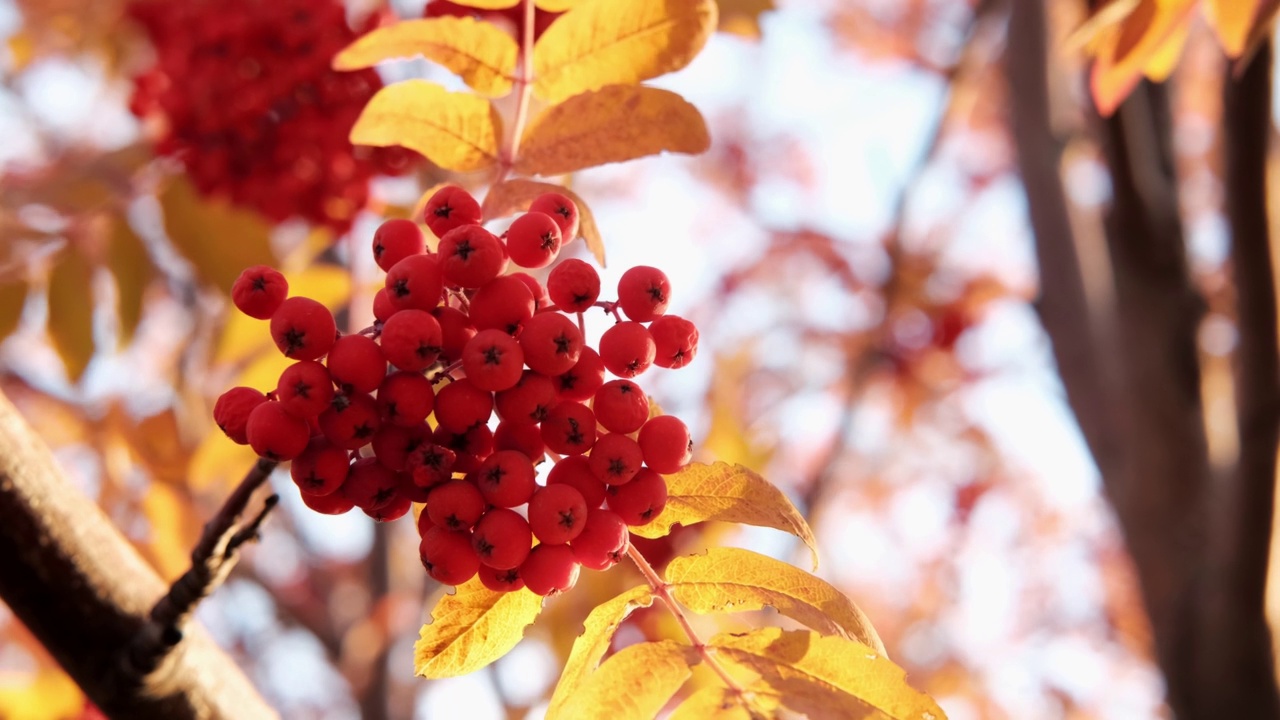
pixel 403 412
pixel 272 133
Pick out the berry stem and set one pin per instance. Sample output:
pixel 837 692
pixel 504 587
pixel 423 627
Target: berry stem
pixel 663 591
pixel 582 325
pixel 436 377
pixel 523 88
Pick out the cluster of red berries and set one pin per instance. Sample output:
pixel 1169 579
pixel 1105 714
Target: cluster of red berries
pixel 271 133
pixel 456 339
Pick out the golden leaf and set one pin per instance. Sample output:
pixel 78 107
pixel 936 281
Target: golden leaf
pixel 479 52
pixel 512 196
pixel 606 42
pixel 13 297
pixel 742 17
pixel 734 580
pixel 71 311
pixel 1142 42
pixel 612 124
pixel 471 628
pixel 47 693
pixel 593 643
pixel 173 530
pixel 131 266
pixel 1233 22
pixel 715 702
pixel 219 239
pixel 219 464
pixel 727 493
pixel 242 336
pixel 826 676
pixel 634 683
pixel 457 131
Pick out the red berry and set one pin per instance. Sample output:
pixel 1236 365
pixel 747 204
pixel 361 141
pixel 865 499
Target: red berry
pixel 540 297
pixel 641 500
pixel 334 503
pixel 321 468
pixel 424 523
pixel 582 380
pixel 303 329
pixel 451 207
pixel 675 341
pixel 621 406
pixel 627 349
pixel 529 400
pixel 573 285
pixel 562 210
pixel 569 429
pixel 383 308
pixel 305 389
pixel 411 340
pixel 503 303
pixel 231 411
pixel 430 464
pixel 556 514
pixel 602 542
pixel 471 256
pixel 500 580
pixel 396 240
pixel 356 363
pixel 461 405
pixel 275 434
pixel 472 445
pixel 575 471
pixel 533 240
pixel 524 437
pixel 456 331
pixel 351 420
pixel 549 569
pixel 392 444
pixel 406 488
pixel 506 479
pixel 455 505
pixel 370 485
pixel 493 360
pixel 415 282
pixel 551 342
pixel 616 459
pixel 448 556
pixel 643 293
pixel 394 510
pixel 259 291
pixel 405 398
pixel 666 444
pixel 502 539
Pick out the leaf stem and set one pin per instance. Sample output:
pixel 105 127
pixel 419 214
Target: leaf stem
pixel 663 591
pixel 523 90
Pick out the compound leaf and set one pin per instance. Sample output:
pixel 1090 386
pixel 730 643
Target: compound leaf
pixel 471 628
pixel 457 131
pixel 479 52
pixel 593 643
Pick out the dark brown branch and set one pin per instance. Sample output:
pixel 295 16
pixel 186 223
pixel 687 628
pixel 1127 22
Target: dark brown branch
pixel 85 593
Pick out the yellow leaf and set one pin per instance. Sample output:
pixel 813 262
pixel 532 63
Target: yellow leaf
pixel 1126 50
pixel 1102 18
pixel 512 196
pixel 715 702
pixel 606 42
pixel 173 530
pixel 219 239
pixel 634 684
pixel 13 297
pixel 242 335
pixel 71 311
pixel 219 464
pixel 593 643
pixel 472 628
pixel 1164 59
pixel 479 52
pixel 727 493
pixel 131 265
pixel 734 580
pixel 47 693
pixel 826 676
pixel 557 5
pixel 457 131
pixel 612 124
pixel 742 17
pixel 1233 22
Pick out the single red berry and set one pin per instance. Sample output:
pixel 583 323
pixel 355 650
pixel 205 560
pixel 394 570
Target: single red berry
pixel 356 363
pixel 503 303
pixel 411 340
pixel 448 556
pixel 305 389
pixel 616 458
pixel 455 505
pixel 573 285
pixel 540 298
pixel 451 207
pixel 415 282
pixel 334 503
pixel 500 580
pixel 405 398
pixel 643 293
pixel 424 523
pixel 549 569
pixel 621 406
pixel 666 444
pixel 394 510
pixel 369 484
pixel 408 489
pixel 675 341
pixel 570 428
pixel 627 349
pixel 603 540
pixel 506 479
pixel 231 411
pixel 392 444
pixel 502 539
pixel 471 256
pixel 303 329
pixel 383 308
pixel 551 342
pixel 396 240
pixel 584 379
pixel 562 210
pixel 472 445
pixel 493 360
pixel 321 468
pixel 575 471
pixel 524 437
pixel 529 400
pixel 456 331
pixel 533 240
pixel 461 405
pixel 556 514
pixel 259 291
pixel 641 500
pixel 275 434
pixel 430 464
pixel 351 420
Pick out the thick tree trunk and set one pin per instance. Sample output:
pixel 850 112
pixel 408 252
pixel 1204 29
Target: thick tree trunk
pixel 85 593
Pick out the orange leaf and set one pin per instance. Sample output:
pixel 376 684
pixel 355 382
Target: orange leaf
pixel 172 530
pixel 1233 22
pixel 479 52
pixel 727 493
pixel 471 628
pixel 457 131
pixel 71 311
pixel 219 239
pixel 742 17
pixel 612 124
pixel 1126 51
pixel 593 643
pixel 606 42
pixel 131 266
pixel 13 297
pixel 514 196
pixel 635 683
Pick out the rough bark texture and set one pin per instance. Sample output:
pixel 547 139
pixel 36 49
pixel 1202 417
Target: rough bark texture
pixel 1130 367
pixel 84 592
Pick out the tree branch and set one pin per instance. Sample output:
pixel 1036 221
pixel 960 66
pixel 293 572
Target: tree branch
pixel 85 593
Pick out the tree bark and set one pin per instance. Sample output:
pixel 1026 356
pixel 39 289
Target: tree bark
pixel 85 593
